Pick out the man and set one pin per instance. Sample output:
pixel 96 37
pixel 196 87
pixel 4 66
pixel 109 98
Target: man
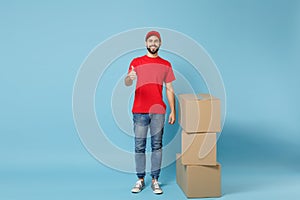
pixel 151 72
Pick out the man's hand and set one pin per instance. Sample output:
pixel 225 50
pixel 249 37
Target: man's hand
pixel 172 118
pixel 132 74
pixel 130 77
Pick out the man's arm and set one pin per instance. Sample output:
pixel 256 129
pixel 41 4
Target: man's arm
pixel 171 100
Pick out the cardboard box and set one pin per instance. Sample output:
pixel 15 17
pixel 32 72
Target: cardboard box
pixel 198 181
pixel 199 149
pixel 199 113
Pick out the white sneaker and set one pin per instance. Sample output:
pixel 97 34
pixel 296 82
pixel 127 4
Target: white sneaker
pixel 156 188
pixel 139 186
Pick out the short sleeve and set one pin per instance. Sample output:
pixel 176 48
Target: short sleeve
pixel 170 75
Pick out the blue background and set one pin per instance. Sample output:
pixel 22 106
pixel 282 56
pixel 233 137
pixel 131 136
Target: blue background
pixel 255 45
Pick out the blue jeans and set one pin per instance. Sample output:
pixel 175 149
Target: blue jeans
pixel 156 123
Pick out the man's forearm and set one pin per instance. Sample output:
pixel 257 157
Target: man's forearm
pixel 171 99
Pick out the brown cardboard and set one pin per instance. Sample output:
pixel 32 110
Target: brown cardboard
pixel 198 181
pixel 199 149
pixel 199 113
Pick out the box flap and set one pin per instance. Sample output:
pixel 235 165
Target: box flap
pixel 196 97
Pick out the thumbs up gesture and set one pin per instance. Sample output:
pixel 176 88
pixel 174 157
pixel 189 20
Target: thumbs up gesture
pixel 132 73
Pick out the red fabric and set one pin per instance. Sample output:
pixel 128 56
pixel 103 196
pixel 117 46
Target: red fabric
pixel 151 74
pixel 149 34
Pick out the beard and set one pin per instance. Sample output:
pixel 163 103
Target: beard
pixel 154 51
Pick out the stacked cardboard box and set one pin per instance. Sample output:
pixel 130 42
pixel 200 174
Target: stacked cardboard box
pixel 197 171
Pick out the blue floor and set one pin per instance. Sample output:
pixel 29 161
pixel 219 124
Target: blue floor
pixel 254 168
pixel 98 182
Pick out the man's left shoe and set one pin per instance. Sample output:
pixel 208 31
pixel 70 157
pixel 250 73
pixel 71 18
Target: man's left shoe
pixel 156 188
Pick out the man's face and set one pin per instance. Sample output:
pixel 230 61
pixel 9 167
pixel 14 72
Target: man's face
pixel 152 44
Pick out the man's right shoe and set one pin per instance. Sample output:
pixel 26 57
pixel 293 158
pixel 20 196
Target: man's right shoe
pixel 139 186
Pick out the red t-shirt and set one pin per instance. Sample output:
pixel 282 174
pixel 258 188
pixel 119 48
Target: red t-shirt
pixel 151 74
